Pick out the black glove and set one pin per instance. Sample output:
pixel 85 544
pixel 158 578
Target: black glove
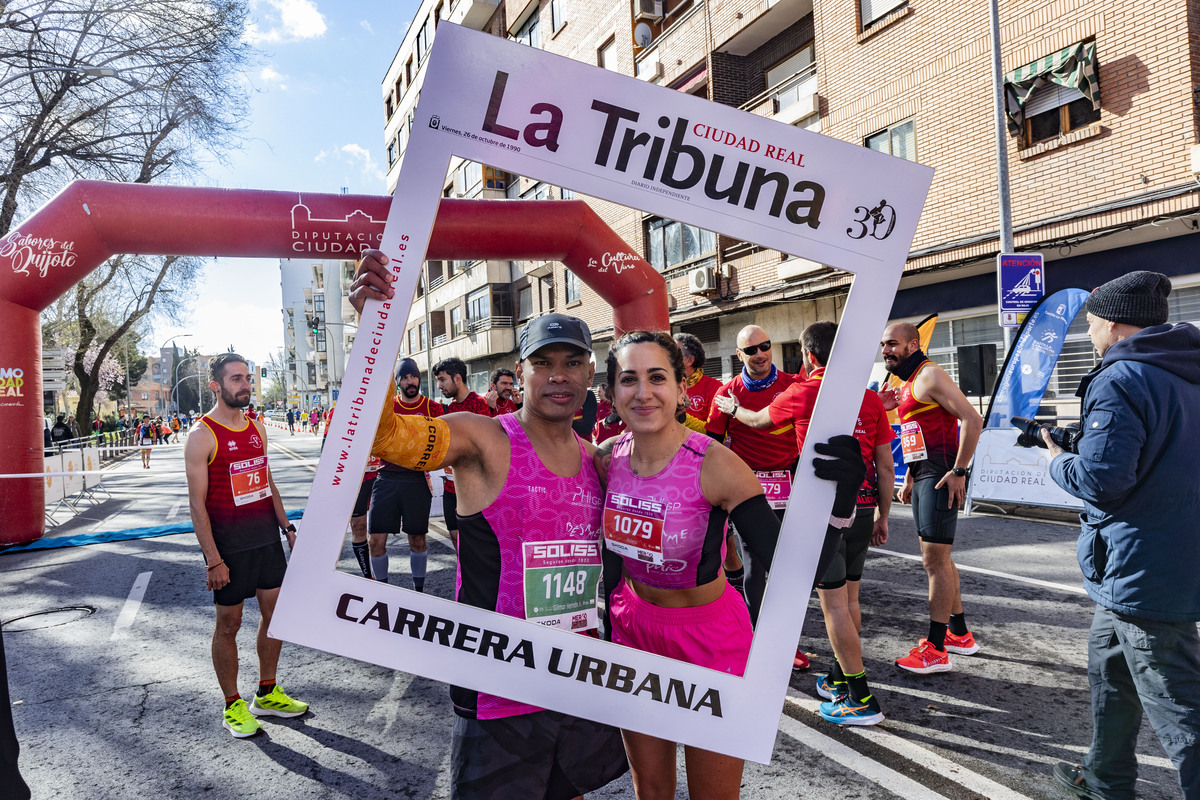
pixel 846 467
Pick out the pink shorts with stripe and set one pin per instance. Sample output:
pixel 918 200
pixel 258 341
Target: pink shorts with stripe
pixel 716 635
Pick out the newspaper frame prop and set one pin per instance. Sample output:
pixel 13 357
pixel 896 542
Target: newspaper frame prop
pixel 571 124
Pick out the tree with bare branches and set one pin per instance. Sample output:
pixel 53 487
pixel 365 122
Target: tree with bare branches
pixel 176 93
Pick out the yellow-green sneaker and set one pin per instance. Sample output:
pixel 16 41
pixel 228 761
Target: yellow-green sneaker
pixel 276 703
pixel 239 721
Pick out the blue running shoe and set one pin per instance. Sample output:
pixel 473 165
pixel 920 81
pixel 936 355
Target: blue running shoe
pixel 844 711
pixel 829 689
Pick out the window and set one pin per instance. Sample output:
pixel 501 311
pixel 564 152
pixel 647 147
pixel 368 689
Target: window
pixel 556 14
pixel 525 303
pixel 391 152
pixel 792 77
pixel 496 179
pixel 472 179
pixel 551 297
pixel 899 140
pixel 670 243
pixel 875 10
pixel 568 194
pixel 423 42
pixel 412 340
pixel 1054 110
pixel 539 191
pixel 479 305
pixel 456 321
pixel 528 33
pixel 573 287
pixel 606 56
pixel 423 335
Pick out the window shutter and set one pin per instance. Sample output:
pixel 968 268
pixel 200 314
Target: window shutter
pixel 874 9
pixel 790 66
pixel 1051 96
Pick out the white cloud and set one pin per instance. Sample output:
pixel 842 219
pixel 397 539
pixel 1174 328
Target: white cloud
pixel 366 26
pixel 270 76
pixel 284 21
pixel 359 155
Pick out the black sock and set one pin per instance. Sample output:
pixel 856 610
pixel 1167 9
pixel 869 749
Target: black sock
pixel 858 687
pixel 233 698
pixel 362 553
pixel 836 675
pixel 419 584
pixel 937 634
pixel 265 688
pixel 958 624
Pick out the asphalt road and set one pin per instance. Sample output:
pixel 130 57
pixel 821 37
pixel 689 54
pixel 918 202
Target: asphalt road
pixel 115 698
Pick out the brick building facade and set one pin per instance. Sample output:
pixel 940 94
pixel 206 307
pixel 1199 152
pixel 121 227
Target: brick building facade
pixel 1102 174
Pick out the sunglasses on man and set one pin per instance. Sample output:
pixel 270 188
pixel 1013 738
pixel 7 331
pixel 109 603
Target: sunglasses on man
pixel 755 348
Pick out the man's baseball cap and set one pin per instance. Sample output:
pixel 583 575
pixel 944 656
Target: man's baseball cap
pixel 554 329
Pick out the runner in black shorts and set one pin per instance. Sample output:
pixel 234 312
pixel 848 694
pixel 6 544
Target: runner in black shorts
pixel 931 409
pixel 238 516
pixel 251 570
pixel 358 517
pixel 401 497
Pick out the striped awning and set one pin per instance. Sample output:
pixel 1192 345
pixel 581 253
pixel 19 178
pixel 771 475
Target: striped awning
pixel 1072 68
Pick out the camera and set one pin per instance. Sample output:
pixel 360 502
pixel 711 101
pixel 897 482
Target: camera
pixel 1031 435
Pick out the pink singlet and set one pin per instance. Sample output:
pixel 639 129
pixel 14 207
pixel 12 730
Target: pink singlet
pixel 534 554
pixel 670 537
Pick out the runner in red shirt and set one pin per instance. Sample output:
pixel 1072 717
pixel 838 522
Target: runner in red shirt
pixel 852 702
pixel 250 412
pixel 605 430
pixel 701 388
pixel 238 516
pixel 770 453
pixel 451 374
pixel 503 397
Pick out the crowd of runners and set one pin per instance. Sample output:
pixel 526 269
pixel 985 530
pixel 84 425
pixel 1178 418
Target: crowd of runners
pixel 703 470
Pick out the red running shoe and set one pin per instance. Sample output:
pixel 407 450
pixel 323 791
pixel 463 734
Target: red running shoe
pixel 925 658
pixel 964 645
pixel 800 662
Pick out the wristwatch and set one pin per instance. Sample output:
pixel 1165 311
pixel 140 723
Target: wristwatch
pixel 289 529
pixel 736 406
pixel 960 471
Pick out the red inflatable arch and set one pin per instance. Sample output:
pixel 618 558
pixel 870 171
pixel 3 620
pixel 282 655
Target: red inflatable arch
pixel 89 221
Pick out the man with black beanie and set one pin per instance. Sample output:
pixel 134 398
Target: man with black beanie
pixel 401 497
pixel 1139 546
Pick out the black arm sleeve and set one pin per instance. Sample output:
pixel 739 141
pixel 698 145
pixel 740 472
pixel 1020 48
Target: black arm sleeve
pixel 829 548
pixel 758 526
pixel 613 568
pixel 720 437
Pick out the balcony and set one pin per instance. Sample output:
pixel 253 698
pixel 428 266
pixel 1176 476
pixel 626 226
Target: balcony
pixel 487 323
pixel 466 281
pixel 492 341
pixel 789 101
pixel 473 13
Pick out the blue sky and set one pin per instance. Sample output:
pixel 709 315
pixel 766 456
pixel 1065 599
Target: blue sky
pixel 316 126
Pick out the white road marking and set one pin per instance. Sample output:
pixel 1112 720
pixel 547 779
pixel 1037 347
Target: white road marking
pixel 851 759
pixel 906 749
pixel 1062 587
pixel 132 604
pixel 174 510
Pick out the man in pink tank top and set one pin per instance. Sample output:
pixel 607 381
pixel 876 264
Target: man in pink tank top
pixel 508 470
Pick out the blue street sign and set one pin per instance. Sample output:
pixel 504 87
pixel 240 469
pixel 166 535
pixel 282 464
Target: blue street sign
pixel 1021 283
pixel 335 394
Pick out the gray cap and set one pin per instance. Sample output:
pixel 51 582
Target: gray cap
pixel 554 329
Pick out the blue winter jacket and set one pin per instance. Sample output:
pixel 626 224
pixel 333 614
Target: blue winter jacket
pixel 1138 474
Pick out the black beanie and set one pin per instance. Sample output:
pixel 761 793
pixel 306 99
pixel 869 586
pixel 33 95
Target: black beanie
pixel 1136 298
pixel 407 367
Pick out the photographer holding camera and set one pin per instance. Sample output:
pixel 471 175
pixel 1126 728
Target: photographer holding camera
pixel 1139 547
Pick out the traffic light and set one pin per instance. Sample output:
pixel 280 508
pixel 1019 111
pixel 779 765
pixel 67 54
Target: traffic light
pixel 264 372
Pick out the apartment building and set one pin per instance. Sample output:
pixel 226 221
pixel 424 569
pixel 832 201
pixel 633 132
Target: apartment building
pixel 1101 136
pixel 318 330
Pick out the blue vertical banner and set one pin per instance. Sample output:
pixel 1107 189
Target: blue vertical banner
pixel 1031 360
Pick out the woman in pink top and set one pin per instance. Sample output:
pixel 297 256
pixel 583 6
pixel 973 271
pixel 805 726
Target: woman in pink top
pixel 669 494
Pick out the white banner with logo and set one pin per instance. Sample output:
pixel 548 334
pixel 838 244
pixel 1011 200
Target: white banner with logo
pixel 1002 472
pixel 670 154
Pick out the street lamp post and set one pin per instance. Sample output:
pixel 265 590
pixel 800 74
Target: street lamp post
pixel 91 72
pixel 174 367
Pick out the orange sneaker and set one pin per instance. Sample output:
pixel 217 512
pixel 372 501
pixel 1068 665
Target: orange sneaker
pixel 925 658
pixel 964 645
